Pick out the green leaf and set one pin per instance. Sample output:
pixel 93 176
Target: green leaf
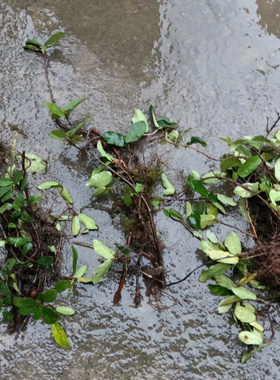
pixel 62 285
pixel 216 254
pixel 25 217
pixel 75 225
pixel 27 248
pixel 81 271
pixel 101 271
pixel 140 117
pixel 32 47
pixel 58 134
pixel 46 261
pixel 135 132
pixel 100 179
pixel 114 138
pixel 18 175
pixel 33 163
pixel 127 199
pixel 9 266
pixel 247 356
pixel 249 191
pixel 213 271
pixel 225 281
pixel 5 207
pixel 169 188
pixel 74 260
pixel 65 310
pixel 219 290
pixel 197 140
pixel 54 39
pixel 73 104
pixel 49 295
pixel 38 313
pixel 188 209
pixel 60 336
pixel 26 305
pixel 226 200
pixel 138 187
pixel 224 309
pixel 55 109
pixel 103 250
pixel 151 109
pixel 173 135
pixel 33 42
pixel 175 215
pixel 88 222
pixel 49 316
pixel 277 169
pixel 66 196
pixel 194 218
pixel 164 122
pixel 2 243
pixel 251 164
pixel 230 300
pixel 248 337
pixel 33 199
pixel 197 186
pixel 48 185
pixel 99 191
pixel 103 153
pixel 233 243
pixel 8 316
pixel 230 163
pixel 17 241
pixel 4 182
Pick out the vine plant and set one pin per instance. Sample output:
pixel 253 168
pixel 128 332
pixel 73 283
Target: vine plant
pixel 251 168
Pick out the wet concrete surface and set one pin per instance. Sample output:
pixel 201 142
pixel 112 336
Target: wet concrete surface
pixel 213 66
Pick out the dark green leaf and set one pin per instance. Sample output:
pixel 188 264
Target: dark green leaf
pixel 49 316
pixel 26 248
pixel 62 285
pixel 4 190
pixel 54 39
pixel 194 218
pixel 229 163
pixel 197 186
pixel 24 180
pixel 75 259
pixel 18 175
pixel 17 241
pixel 9 266
pixel 8 316
pixel 164 122
pixel 197 140
pixel 26 305
pixel 49 295
pixel 26 217
pixel 31 47
pixel 5 291
pixel 175 215
pixel 33 42
pixel 37 314
pixel 34 199
pixel 58 134
pixel 219 290
pixel 151 109
pixel 46 261
pixel 135 132
pixel 19 201
pixel 249 166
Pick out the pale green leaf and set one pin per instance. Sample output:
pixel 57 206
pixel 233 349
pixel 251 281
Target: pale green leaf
pixel 169 188
pixel 230 300
pixel 224 309
pixel 213 271
pixel 136 131
pixel 103 153
pixel 48 185
pixel 277 169
pixel 243 293
pixel 233 243
pixel 244 315
pixel 100 179
pixel 81 271
pixel 226 200
pixel 88 222
pixel 188 209
pixel 65 310
pixel 212 237
pixel 257 326
pixel 66 196
pixel 85 280
pixel 207 220
pixel 197 234
pixel 247 356
pixel 248 337
pixel 101 271
pixel 247 190
pixel 103 250
pixel 75 225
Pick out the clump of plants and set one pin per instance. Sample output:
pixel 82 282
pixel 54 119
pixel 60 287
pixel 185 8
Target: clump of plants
pixel 250 168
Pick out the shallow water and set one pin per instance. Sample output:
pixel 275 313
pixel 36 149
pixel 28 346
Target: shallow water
pixel 213 66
